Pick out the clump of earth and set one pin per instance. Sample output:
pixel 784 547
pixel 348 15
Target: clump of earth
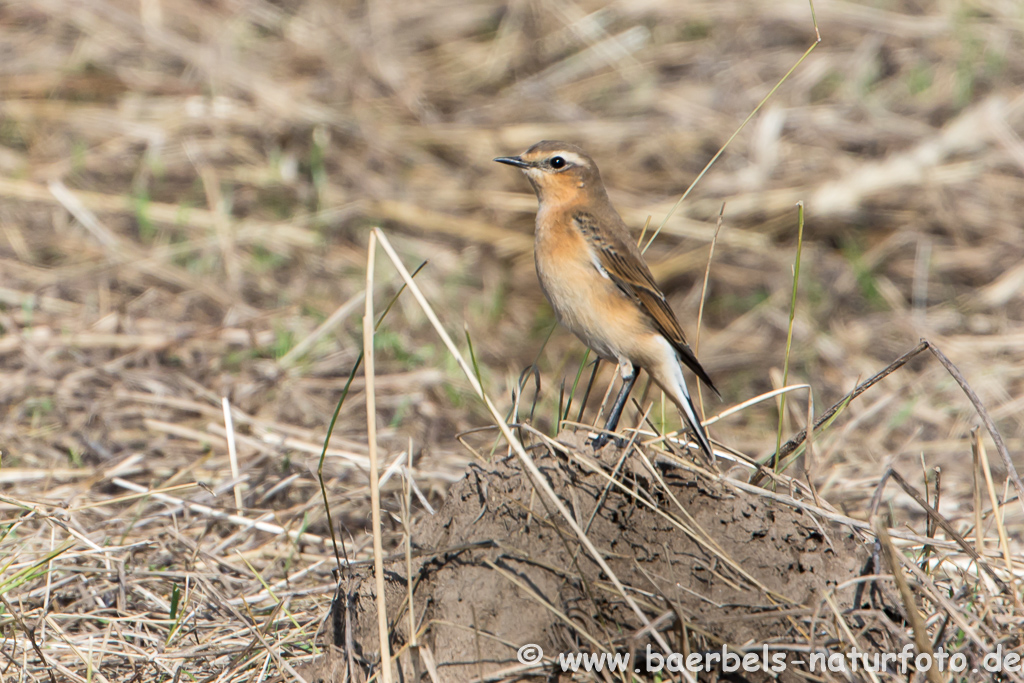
pixel 496 569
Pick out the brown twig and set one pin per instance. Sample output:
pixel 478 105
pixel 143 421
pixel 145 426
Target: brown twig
pixel 1011 471
pixel 799 438
pixel 946 526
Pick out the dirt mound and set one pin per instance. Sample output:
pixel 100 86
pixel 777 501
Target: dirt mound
pixel 497 569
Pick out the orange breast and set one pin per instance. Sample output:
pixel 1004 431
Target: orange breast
pixel 585 301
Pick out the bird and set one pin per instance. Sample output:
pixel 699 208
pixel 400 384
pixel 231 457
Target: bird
pixel 595 277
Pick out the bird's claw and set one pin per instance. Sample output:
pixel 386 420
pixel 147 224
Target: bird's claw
pixel 602 440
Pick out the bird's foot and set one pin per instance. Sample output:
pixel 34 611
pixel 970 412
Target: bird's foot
pixel 603 439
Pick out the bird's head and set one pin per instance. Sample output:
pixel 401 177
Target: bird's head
pixel 559 171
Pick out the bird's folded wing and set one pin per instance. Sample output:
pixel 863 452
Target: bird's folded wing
pixel 624 264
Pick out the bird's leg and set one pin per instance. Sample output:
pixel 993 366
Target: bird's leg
pixel 629 373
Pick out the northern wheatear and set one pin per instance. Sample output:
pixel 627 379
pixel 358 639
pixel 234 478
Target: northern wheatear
pixel 595 277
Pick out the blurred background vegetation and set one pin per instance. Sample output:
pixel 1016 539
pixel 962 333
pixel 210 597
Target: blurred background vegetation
pixel 186 190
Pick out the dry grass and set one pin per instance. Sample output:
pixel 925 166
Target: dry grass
pixel 185 195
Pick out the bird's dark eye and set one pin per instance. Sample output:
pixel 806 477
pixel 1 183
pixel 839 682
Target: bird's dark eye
pixel 557 162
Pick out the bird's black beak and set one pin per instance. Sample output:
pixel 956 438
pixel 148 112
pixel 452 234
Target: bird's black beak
pixel 514 161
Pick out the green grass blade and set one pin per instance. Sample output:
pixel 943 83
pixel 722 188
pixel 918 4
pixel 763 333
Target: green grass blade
pixel 789 332
pixel 792 457
pixel 575 383
pixel 590 386
pixel 472 356
pixel 334 419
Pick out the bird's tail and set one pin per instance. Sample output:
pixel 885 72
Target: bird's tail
pixel 681 397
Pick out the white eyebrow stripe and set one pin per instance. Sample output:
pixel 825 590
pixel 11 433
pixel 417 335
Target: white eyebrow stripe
pixel 572 158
